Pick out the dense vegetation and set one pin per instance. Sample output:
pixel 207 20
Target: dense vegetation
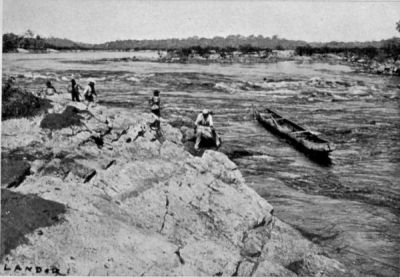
pixel 223 52
pixel 380 50
pixel 232 42
pixel 223 45
pixel 12 42
pixel 29 41
pixel 17 102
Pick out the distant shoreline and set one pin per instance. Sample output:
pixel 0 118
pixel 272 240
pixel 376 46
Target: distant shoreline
pixel 387 66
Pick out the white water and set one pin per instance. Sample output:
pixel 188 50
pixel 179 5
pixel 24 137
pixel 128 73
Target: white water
pixel 350 208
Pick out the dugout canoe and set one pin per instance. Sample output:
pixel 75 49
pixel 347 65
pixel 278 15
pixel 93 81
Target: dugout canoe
pixel 304 139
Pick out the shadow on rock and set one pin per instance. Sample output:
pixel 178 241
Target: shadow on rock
pixel 70 164
pixel 205 144
pixel 13 172
pixel 68 118
pixel 22 214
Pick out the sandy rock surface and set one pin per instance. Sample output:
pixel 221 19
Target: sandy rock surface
pixel 131 202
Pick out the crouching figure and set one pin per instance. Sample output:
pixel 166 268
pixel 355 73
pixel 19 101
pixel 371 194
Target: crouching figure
pixel 205 129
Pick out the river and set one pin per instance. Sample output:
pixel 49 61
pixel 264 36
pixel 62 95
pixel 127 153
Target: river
pixel 350 207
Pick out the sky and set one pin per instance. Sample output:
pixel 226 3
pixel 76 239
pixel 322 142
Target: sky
pixel 97 21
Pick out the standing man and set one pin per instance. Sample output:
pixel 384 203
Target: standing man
pixel 89 93
pixel 155 105
pixel 74 90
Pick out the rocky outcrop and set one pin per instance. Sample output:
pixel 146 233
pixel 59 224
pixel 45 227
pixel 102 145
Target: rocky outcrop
pixel 378 65
pixel 372 66
pixel 137 203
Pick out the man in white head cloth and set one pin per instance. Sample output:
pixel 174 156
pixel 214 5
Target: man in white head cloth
pixel 89 93
pixel 204 128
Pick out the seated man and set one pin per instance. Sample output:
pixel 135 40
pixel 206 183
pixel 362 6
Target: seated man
pixel 204 128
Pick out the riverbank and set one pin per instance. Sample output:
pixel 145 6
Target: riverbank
pixel 106 195
pixel 361 64
pixel 388 66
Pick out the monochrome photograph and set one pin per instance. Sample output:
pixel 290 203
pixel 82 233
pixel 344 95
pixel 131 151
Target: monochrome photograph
pixel 200 138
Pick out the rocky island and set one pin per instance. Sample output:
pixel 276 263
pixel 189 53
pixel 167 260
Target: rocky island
pixel 103 194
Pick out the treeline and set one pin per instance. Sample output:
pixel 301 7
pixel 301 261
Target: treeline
pixel 203 46
pixel 360 51
pixel 228 43
pixel 381 50
pixel 11 42
pixel 207 50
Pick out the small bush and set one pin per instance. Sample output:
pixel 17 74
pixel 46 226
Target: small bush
pixel 20 103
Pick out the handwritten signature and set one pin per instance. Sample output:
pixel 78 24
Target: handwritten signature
pixel 32 269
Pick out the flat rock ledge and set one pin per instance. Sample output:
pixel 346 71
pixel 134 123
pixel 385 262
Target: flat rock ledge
pixel 131 202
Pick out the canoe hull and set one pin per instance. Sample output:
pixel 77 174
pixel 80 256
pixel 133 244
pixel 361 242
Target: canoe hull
pixel 298 136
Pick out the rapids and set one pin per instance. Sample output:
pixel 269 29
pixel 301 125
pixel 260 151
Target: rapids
pixel 351 207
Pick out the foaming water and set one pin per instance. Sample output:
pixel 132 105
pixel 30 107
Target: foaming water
pixel 350 207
